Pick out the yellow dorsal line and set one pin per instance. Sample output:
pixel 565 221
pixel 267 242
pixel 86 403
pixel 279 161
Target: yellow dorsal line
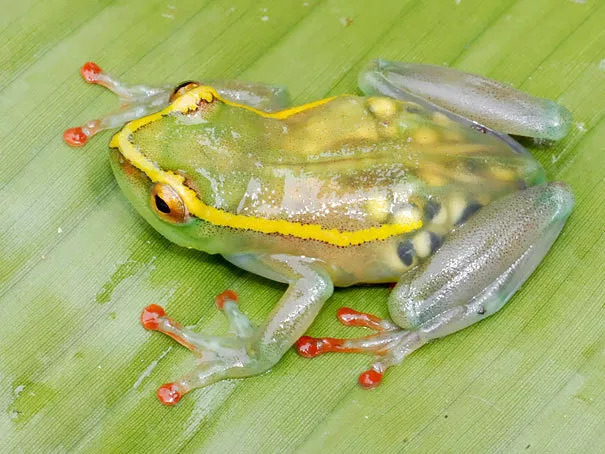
pixel 189 101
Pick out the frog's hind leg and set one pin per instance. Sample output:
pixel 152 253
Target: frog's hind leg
pixel 471 276
pixel 492 104
pixel 136 102
pixel 387 333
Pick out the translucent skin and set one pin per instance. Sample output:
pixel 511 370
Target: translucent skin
pixel 409 184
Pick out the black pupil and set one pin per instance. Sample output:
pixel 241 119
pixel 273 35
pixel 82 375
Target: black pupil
pixel 162 206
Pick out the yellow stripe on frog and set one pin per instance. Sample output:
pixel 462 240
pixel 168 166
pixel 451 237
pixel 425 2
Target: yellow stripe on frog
pixel 190 101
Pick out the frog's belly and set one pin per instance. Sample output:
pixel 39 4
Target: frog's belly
pixel 374 261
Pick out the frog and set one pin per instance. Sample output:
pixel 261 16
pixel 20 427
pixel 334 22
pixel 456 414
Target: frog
pixel 415 182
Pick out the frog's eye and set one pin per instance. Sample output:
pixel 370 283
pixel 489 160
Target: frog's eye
pixel 183 88
pixel 167 204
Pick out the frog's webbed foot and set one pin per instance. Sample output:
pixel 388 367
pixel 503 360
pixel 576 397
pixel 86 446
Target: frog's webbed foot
pixel 386 344
pixel 136 102
pixel 219 357
pixel 249 350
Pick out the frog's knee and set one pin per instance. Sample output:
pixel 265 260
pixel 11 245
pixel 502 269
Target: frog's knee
pixel 556 121
pixel 557 199
pixel 404 307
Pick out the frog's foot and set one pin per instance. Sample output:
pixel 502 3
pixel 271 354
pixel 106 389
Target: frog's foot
pixel 386 344
pixel 136 102
pixel 219 357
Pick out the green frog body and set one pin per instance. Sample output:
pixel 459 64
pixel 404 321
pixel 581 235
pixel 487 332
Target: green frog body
pixel 414 183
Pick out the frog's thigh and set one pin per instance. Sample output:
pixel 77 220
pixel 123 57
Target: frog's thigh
pixel 266 97
pixel 482 264
pixel 493 104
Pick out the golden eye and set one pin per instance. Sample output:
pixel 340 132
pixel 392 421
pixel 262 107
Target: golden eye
pixel 168 205
pixel 183 88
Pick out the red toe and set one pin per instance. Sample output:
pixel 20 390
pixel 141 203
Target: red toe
pixel 227 295
pixel 309 346
pixel 75 137
pixel 150 317
pixel 351 317
pixel 90 72
pixel 370 379
pixel 169 394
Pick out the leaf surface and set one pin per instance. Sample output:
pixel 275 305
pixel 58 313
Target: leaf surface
pixel 77 372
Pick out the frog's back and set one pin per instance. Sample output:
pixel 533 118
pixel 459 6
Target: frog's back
pixel 358 163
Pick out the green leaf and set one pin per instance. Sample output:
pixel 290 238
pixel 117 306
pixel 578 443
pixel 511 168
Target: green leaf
pixel 77 265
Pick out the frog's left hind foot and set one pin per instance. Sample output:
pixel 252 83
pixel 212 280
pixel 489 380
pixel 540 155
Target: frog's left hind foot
pixel 219 357
pixel 388 336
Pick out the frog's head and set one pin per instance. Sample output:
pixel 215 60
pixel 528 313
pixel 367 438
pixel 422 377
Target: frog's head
pixel 152 157
pixel 157 160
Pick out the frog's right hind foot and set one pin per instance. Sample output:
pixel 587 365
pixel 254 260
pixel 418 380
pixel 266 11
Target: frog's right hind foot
pixel 470 277
pixel 382 344
pixel 136 102
pixel 492 104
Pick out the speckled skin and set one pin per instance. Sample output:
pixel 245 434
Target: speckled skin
pixel 354 163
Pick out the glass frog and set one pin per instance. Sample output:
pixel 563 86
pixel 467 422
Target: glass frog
pixel 415 183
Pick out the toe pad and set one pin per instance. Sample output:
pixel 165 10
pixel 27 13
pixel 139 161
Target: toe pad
pixel 150 317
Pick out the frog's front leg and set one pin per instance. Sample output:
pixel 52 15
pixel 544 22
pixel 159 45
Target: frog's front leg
pixel 249 350
pixel 470 277
pixel 490 103
pixel 265 97
pixel 136 101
